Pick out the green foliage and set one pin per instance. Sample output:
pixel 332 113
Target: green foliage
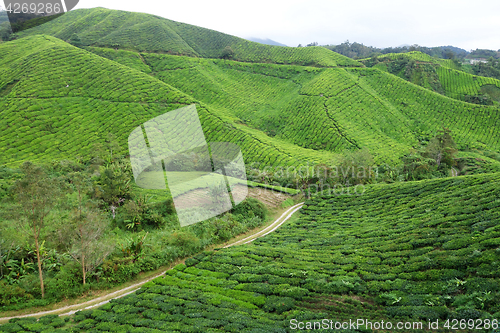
pixel 138 214
pixel 113 184
pixel 36 194
pixel 488 69
pixel 414 250
pixel 251 207
pixel 442 76
pixel 227 53
pixel 75 41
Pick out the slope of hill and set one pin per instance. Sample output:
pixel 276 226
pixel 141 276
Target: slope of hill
pixel 417 56
pixel 57 100
pixel 149 33
pixel 328 109
pixel 443 76
pixel 416 251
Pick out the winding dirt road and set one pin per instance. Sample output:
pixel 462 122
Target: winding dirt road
pixel 71 309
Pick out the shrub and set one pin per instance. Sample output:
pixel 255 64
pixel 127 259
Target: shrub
pixel 251 207
pixel 278 304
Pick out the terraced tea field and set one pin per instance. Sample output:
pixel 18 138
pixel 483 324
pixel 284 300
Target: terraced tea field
pixel 143 32
pixel 417 251
pixel 57 100
pixel 328 109
pixel 440 75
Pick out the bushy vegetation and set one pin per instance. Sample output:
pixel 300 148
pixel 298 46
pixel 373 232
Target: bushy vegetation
pixel 359 51
pixel 447 77
pixel 420 250
pixel 71 227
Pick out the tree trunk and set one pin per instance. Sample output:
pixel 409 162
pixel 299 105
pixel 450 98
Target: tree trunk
pixel 83 268
pixel 39 265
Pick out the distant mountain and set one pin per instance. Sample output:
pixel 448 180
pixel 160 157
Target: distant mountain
pixel 457 50
pixel 485 54
pixel 266 41
pixel 360 51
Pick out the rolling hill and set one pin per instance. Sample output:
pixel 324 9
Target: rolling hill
pixel 443 76
pixel 57 100
pixel 329 109
pixel 63 98
pixel 420 251
pixel 148 33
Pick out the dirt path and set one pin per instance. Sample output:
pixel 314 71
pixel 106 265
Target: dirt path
pixel 275 225
pixel 71 309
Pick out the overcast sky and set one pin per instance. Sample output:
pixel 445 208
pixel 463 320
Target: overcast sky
pixel 381 23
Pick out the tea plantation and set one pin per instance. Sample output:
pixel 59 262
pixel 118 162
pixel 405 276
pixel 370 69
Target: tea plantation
pixel 56 100
pixel 440 75
pixel 143 32
pixel 329 109
pixel 425 250
pixel 278 114
pixel 386 249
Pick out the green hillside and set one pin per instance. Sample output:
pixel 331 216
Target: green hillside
pixel 323 109
pixel 57 100
pixel 417 56
pixel 414 251
pixel 329 109
pixel 149 33
pixel 443 76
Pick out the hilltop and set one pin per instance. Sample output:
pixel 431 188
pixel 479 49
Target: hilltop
pixel 443 76
pixel 149 33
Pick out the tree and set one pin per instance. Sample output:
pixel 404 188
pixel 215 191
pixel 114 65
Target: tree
pixel 37 194
pixel 113 184
pixel 83 238
pixel 82 235
pixel 75 40
pixel 448 54
pixel 442 148
pixel 227 53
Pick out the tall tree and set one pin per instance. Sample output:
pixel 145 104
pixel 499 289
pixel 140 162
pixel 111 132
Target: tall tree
pixel 442 148
pixel 82 235
pixel 37 194
pixel 84 239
